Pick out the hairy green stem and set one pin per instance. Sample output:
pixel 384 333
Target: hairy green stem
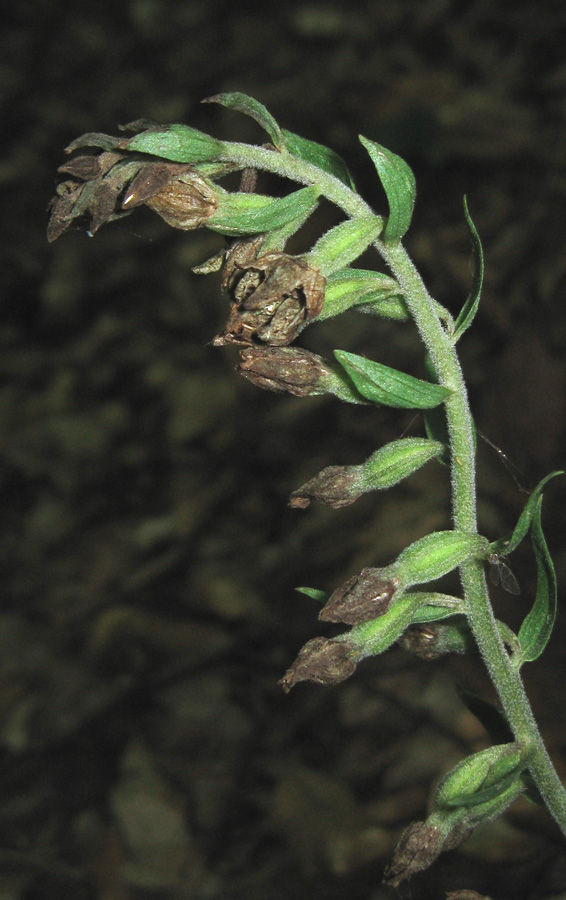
pixel 440 346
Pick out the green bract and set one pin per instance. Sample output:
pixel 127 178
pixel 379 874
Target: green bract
pixel 399 184
pixel 178 143
pixel 389 387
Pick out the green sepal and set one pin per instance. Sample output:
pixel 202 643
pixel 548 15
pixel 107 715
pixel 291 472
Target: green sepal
pixel 399 184
pixel 397 460
pixel 178 143
pixel 368 291
pixel 389 387
pixel 482 777
pixel 506 545
pixel 318 155
pixel 241 213
pixel 243 103
pixel 374 637
pixel 470 307
pixel 437 606
pixel 344 243
pixel 491 717
pixel 314 593
pixel 437 554
pixel 537 626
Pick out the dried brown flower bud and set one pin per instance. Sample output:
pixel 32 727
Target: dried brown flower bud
pixel 289 369
pixel 274 295
pixel 362 598
pixel 109 184
pixel 434 639
pixel 420 844
pixel 335 486
pixel 321 660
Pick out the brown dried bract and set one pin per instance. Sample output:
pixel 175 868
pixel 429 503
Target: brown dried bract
pixel 274 295
pixel 362 598
pixel 321 660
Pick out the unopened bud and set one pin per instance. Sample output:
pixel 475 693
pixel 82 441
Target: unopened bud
pixel 362 598
pixel 274 296
pixel 321 660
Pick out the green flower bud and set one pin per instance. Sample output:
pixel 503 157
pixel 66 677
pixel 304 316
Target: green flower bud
pixel 344 243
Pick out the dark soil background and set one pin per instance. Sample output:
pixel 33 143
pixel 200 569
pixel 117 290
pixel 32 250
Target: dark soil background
pixel 149 558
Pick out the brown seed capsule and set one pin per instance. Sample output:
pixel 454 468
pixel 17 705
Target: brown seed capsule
pixel 273 296
pixel 362 598
pixel 321 660
pixel 336 486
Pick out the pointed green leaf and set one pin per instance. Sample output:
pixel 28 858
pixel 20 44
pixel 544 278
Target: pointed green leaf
pixel 399 184
pixel 178 143
pixel 389 387
pixel 253 108
pixel 506 545
pixel 470 307
pixel 241 213
pixel 94 139
pixel 344 243
pixel 319 155
pixel 314 593
pixel 372 292
pixel 537 626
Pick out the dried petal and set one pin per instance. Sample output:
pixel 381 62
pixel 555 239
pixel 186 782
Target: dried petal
pixel 321 660
pixel 362 598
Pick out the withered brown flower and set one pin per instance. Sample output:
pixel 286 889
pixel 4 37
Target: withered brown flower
pixel 362 598
pixel 274 295
pixel 321 660
pixel 336 486
pixel 110 184
pixel 284 369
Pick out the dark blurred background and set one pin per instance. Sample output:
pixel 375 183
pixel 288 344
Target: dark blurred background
pixel 149 557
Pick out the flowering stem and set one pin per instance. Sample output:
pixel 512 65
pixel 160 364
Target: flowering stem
pixel 442 352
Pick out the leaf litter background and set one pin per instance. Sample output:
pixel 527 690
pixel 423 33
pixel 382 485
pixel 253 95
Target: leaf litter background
pixel 148 554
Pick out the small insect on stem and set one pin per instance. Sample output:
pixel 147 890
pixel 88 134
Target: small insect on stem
pixel 500 573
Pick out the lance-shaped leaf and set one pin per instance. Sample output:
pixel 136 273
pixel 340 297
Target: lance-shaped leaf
pixel 344 243
pixel 371 292
pixel 313 593
pixel 399 184
pixel 389 387
pixel 250 107
pixel 470 307
pixel 482 777
pixel 179 143
pixel 437 554
pixel 537 627
pixel 318 155
pixel 506 545
pixel 240 213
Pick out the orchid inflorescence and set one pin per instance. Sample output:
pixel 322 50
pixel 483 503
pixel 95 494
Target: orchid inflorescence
pixel 175 171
